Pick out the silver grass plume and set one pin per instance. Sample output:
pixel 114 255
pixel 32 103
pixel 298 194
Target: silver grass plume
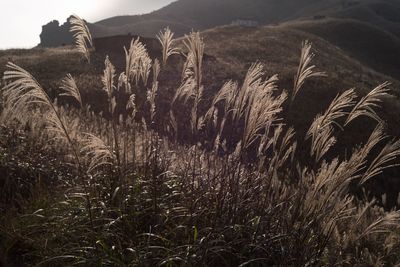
pixel 97 154
pixel 185 91
pixel 322 142
pixel 262 108
pixel 194 60
pixel 343 173
pixel 305 69
pixel 227 95
pixel 22 89
pixel 108 83
pixel 285 151
pixel 166 40
pixel 22 93
pixel 137 62
pixel 383 161
pixel 354 168
pixel 145 68
pixel 383 224
pixel 321 130
pixel 192 74
pixel 192 77
pixel 83 38
pixel 253 78
pixel 56 123
pixel 365 107
pixel 69 88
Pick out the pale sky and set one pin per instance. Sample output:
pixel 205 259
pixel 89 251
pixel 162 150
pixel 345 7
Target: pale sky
pixel 21 20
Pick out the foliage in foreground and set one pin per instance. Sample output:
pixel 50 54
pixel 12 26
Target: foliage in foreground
pixel 235 191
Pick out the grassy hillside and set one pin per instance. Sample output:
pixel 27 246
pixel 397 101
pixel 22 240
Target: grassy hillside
pixel 210 13
pixel 365 42
pixel 383 14
pixel 359 28
pixel 230 51
pixel 184 15
pixel 205 159
pixel 167 175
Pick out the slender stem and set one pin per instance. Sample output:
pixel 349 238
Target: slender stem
pixel 75 152
pixel 117 150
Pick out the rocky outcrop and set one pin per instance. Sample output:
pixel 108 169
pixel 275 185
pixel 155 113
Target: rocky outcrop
pixel 53 34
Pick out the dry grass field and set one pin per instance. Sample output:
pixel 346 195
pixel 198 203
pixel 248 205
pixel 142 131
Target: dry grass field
pixel 238 147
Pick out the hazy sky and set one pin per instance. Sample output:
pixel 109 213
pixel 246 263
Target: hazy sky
pixel 21 20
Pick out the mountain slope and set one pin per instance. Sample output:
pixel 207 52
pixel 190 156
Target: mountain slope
pixel 384 14
pixel 210 13
pixel 364 34
pixel 377 48
pixel 184 15
pixel 360 28
pixel 206 14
